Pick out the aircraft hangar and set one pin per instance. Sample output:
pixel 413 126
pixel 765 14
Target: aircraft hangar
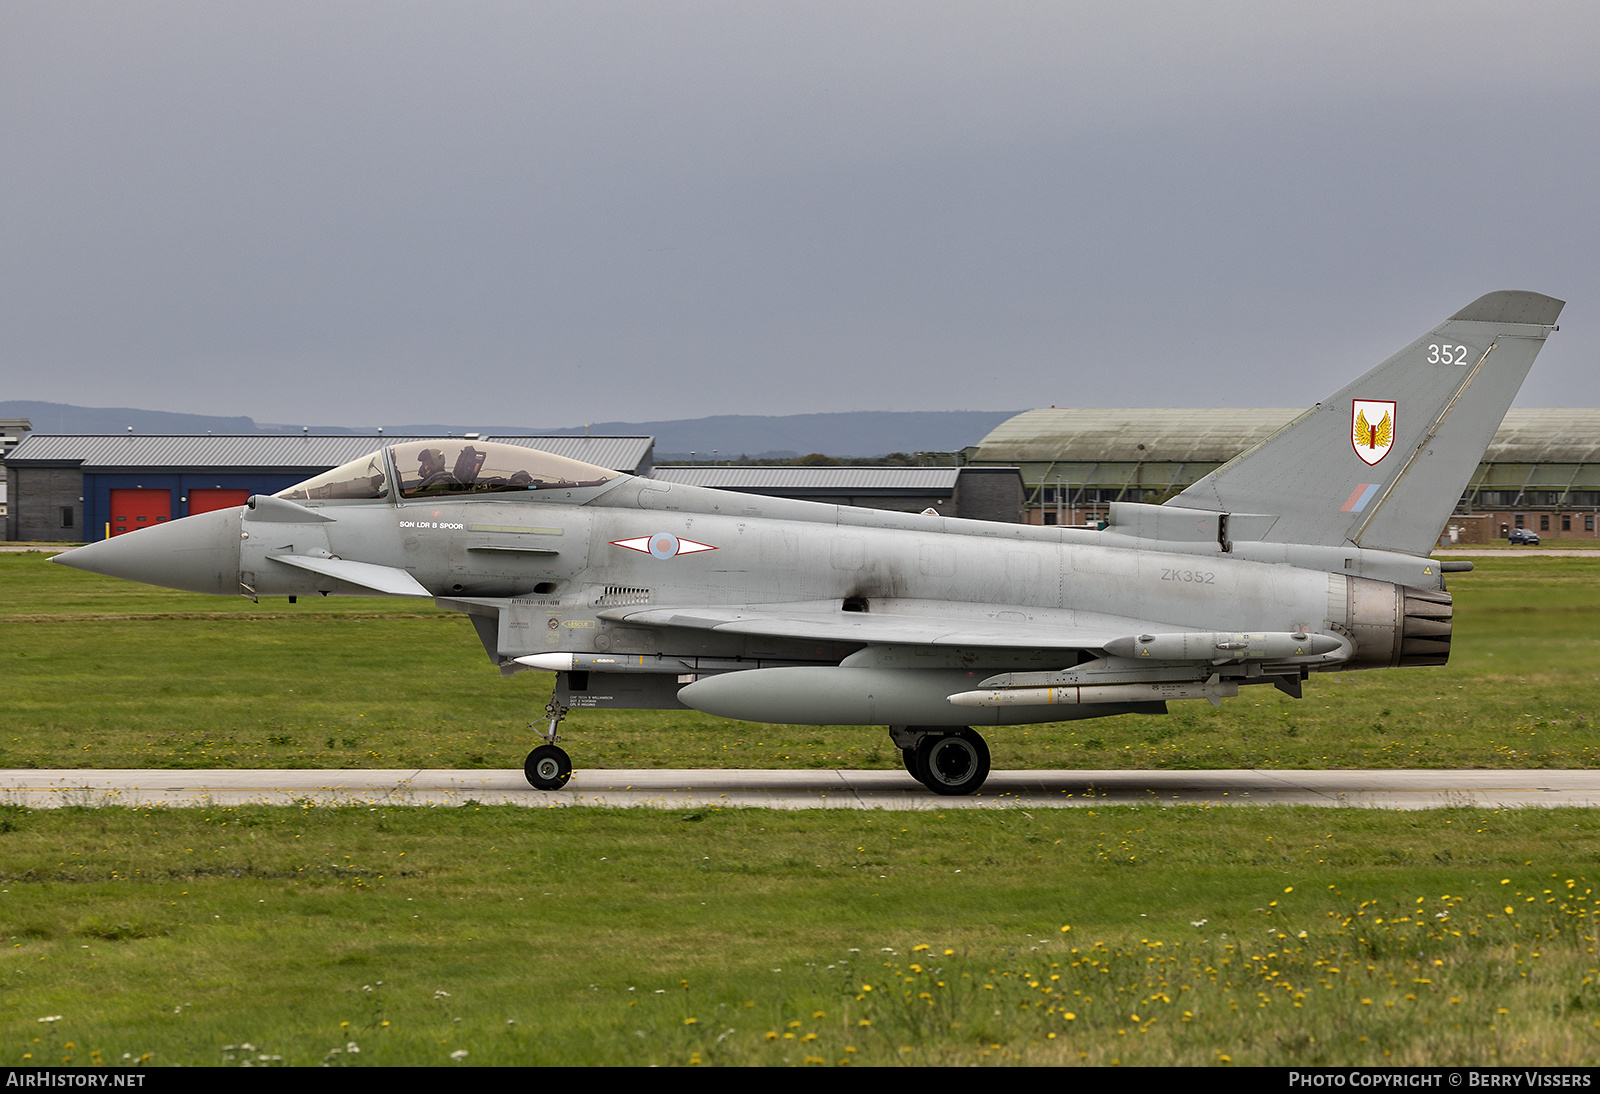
pixel 1541 472
pixel 979 493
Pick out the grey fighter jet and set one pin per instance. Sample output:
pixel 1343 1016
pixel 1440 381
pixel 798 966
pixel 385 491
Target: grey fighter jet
pixel 1307 553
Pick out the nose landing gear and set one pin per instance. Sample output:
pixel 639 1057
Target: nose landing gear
pixel 549 767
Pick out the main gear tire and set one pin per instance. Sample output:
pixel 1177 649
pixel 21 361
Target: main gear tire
pixel 954 764
pixel 547 768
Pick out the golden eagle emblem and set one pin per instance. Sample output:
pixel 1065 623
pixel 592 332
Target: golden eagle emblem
pixel 1372 428
pixel 1373 437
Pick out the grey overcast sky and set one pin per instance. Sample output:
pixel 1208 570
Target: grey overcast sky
pixel 551 213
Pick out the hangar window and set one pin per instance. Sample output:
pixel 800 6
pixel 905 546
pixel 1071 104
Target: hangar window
pixel 362 478
pixel 66 516
pixel 441 468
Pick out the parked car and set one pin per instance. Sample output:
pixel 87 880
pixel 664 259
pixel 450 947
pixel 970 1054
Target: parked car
pixel 1523 535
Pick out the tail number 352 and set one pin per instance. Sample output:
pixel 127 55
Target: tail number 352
pixel 1447 355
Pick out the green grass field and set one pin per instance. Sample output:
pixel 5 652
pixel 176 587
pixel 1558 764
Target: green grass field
pixel 104 673
pixel 1139 935
pixel 477 935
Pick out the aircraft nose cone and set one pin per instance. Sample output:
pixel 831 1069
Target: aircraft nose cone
pixel 199 554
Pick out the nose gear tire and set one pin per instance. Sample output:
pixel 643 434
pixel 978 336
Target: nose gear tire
pixel 547 768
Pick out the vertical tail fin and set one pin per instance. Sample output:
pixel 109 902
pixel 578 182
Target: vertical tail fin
pixel 1382 462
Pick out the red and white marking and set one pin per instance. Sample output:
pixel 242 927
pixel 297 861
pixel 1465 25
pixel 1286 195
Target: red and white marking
pixel 662 545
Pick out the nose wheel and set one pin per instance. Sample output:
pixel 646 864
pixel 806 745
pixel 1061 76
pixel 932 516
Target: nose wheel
pixel 548 767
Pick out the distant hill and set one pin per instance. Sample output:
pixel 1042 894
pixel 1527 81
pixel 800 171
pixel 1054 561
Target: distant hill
pixel 862 433
pixel 65 418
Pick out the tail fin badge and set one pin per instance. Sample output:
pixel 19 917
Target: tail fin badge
pixel 1371 428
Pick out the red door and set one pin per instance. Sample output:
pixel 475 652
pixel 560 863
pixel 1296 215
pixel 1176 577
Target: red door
pixel 205 501
pixel 135 509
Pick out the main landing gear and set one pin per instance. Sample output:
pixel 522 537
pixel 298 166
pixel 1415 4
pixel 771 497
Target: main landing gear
pixel 947 761
pixel 549 767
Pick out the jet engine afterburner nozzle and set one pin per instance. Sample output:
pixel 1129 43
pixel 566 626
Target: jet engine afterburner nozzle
pixel 1396 626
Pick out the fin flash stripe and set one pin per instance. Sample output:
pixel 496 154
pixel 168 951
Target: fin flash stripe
pixel 1359 497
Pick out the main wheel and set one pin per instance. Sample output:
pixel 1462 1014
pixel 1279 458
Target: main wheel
pixel 548 768
pixel 954 764
pixel 909 755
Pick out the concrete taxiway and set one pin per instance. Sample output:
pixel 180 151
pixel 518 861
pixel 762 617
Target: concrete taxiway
pixel 816 789
pixel 1512 552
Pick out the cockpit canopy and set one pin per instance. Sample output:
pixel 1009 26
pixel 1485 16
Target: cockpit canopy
pixel 430 468
pixel 449 468
pixel 367 477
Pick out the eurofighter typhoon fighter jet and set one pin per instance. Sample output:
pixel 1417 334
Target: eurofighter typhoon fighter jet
pixel 1307 553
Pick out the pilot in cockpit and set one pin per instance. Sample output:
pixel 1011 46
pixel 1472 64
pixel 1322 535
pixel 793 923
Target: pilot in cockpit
pixel 431 469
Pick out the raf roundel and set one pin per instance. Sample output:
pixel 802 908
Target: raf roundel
pixel 662 545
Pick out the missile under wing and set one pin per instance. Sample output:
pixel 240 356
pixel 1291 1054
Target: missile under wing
pixel 1306 553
